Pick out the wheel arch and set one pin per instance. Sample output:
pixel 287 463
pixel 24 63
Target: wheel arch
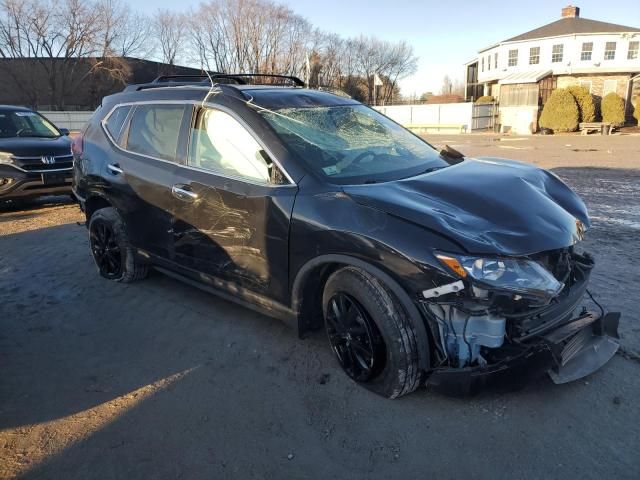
pixel 310 280
pixel 93 203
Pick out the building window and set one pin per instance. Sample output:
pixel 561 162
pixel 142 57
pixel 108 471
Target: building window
pixel 483 64
pixel 586 84
pixel 489 62
pixel 534 55
pixel 513 58
pixel 519 94
pixel 495 59
pixel 609 86
pixel 547 86
pixel 587 50
pixel 633 50
pixel 556 53
pixel 610 51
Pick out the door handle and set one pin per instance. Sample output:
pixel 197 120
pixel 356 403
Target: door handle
pixel 114 168
pixel 184 193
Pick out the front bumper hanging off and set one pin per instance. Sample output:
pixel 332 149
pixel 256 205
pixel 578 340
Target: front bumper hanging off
pixel 569 352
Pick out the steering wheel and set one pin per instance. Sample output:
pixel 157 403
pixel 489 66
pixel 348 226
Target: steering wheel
pixel 355 163
pixel 362 156
pixel 19 132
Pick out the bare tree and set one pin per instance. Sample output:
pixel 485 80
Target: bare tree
pixel 66 42
pixel 447 85
pixel 124 32
pixel 219 35
pixel 170 29
pixel 248 35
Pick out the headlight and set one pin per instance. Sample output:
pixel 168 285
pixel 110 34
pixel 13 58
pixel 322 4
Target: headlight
pixel 517 275
pixel 5 157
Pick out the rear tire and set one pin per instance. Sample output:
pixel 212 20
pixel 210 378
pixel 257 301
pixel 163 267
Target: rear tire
pixel 111 249
pixel 375 342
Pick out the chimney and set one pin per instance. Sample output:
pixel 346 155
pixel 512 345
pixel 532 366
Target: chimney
pixel 570 12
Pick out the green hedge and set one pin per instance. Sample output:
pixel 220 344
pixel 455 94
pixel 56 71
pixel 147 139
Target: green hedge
pixel 613 109
pixel 485 99
pixel 586 106
pixel 560 113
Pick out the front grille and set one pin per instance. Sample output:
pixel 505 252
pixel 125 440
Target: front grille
pixel 47 166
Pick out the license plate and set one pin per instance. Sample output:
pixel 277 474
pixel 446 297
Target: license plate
pixel 57 178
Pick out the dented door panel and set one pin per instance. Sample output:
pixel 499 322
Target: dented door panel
pixel 234 230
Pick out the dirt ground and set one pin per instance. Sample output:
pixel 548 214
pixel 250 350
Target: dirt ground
pixel 159 380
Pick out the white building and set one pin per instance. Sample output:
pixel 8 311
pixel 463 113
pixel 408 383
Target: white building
pixel 522 71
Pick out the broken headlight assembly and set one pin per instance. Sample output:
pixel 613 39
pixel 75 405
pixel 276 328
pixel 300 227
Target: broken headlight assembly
pixel 5 157
pixel 519 276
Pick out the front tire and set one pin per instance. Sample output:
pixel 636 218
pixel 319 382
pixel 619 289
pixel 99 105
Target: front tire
pixel 370 333
pixel 111 249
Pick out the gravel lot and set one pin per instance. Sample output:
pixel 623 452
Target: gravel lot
pixel 160 380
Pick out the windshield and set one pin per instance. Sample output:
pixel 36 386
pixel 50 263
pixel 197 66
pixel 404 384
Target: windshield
pixel 353 143
pixel 23 123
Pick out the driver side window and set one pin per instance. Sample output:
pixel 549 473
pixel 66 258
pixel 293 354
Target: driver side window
pixel 221 144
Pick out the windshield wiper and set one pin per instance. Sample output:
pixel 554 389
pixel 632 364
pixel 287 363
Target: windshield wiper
pixel 35 136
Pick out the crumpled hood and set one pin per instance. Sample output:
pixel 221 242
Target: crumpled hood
pixel 487 205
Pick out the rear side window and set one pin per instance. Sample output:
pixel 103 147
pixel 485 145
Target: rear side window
pixel 116 120
pixel 154 130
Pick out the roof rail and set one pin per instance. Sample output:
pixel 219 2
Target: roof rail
pixel 227 79
pixel 181 78
pixel 238 78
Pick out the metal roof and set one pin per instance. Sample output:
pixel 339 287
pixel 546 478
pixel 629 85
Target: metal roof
pixel 525 77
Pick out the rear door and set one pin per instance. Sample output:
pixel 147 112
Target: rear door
pixel 233 206
pixel 145 170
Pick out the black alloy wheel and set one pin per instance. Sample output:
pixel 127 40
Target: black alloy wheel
pixel 105 249
pixel 354 338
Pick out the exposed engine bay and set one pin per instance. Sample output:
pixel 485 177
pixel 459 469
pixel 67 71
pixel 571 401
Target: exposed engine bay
pixel 478 325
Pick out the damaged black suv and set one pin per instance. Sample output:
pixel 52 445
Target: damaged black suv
pixel 423 267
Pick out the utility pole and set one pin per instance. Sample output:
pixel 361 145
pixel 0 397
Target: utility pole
pixel 376 82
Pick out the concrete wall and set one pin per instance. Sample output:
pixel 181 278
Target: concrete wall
pixel 520 120
pixel 432 116
pixel 69 120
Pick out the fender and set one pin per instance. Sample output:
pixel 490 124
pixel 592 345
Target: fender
pixel 414 315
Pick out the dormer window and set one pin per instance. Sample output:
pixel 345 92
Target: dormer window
pixel 534 55
pixel 513 58
pixel 557 53
pixel 610 51
pixel 633 50
pixel 587 50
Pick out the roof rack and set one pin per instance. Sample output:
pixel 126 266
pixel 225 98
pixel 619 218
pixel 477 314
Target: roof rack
pixel 241 76
pixel 238 78
pixel 205 80
pixel 180 78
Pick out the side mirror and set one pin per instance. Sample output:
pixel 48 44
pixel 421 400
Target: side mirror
pixel 64 131
pixel 275 175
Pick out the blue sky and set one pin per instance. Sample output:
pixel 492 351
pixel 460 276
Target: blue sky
pixel 443 34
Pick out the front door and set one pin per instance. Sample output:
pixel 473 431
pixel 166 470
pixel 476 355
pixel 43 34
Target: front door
pixel 232 208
